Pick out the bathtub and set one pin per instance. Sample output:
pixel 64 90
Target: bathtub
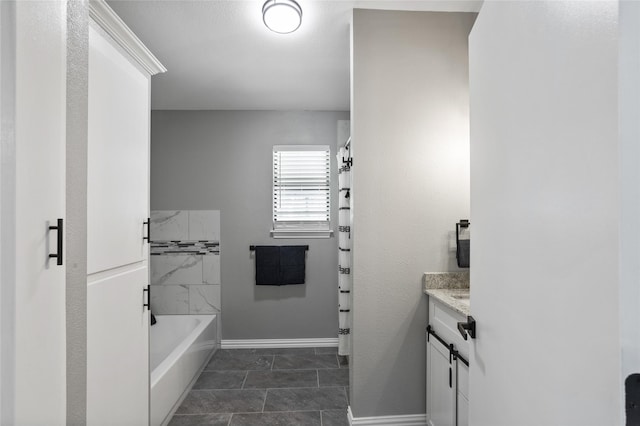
pixel 179 348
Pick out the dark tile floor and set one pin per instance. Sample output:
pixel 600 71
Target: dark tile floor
pixel 265 387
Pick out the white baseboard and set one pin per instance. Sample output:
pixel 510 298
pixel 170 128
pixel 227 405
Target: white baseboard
pixel 406 420
pixel 279 343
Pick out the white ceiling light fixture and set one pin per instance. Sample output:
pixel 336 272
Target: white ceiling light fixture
pixel 282 16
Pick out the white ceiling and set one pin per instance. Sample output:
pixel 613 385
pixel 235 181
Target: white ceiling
pixel 219 54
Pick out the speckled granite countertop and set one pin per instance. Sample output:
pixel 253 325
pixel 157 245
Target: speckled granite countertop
pixel 450 288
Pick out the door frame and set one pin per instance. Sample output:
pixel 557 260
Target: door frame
pixel 7 209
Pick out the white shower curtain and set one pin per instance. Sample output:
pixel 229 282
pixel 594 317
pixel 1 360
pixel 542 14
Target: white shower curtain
pixel 344 255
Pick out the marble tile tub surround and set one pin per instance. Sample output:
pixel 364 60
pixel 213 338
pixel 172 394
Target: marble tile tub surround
pixel 448 287
pixel 185 225
pixel 185 262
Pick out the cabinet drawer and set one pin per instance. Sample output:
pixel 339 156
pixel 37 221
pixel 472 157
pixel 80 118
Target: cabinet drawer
pixel 444 321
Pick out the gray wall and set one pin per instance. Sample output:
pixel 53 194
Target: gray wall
pixel 410 180
pixel 221 160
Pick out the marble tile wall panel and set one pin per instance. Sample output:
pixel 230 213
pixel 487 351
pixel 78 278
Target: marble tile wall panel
pixel 185 262
pixel 170 299
pixel 204 225
pixel 176 269
pixel 211 269
pixel 169 225
pixel 185 247
pixel 204 299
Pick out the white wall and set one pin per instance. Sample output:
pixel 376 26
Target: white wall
pixel 7 211
pixel 545 214
pixel 410 180
pixel 76 206
pixel 629 104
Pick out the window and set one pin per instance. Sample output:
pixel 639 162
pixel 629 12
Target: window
pixel 301 191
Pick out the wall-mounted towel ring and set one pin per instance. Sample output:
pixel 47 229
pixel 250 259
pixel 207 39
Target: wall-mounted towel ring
pixel 462 246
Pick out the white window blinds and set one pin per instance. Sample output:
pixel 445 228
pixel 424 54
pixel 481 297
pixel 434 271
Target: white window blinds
pixel 301 187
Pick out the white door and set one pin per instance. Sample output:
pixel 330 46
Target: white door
pixel 629 104
pixel 545 208
pixel 441 385
pixel 118 204
pixel 33 198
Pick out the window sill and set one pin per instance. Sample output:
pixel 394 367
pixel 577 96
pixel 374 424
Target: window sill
pixel 300 233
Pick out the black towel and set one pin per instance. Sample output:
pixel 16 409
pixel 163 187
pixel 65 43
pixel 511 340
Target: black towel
pixel 292 263
pixel 462 253
pixel 267 265
pixel 280 265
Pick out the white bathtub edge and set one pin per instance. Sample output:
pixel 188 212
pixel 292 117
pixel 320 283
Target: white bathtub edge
pixel 185 362
pixel 158 372
pixel 328 342
pixel 173 410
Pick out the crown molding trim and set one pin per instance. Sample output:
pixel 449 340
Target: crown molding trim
pixel 110 22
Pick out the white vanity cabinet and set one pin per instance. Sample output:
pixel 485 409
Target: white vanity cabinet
pixel 441 392
pixel 447 371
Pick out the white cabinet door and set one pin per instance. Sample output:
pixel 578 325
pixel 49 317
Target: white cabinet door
pixel 441 380
pixel 33 52
pixel 118 197
pixel 118 163
pixel 462 401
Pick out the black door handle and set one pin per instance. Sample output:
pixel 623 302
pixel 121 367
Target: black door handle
pixel 148 223
pixel 468 328
pixel 58 255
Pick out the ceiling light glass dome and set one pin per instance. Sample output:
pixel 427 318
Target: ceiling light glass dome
pixel 282 16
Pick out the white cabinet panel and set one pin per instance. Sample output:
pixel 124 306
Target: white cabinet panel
pixel 447 402
pixel 463 411
pixel 441 393
pixel 118 350
pixel 118 204
pixel 33 197
pixel 118 164
pixel 445 322
pixel 462 402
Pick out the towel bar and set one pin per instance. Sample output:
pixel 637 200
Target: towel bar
pixel 253 248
